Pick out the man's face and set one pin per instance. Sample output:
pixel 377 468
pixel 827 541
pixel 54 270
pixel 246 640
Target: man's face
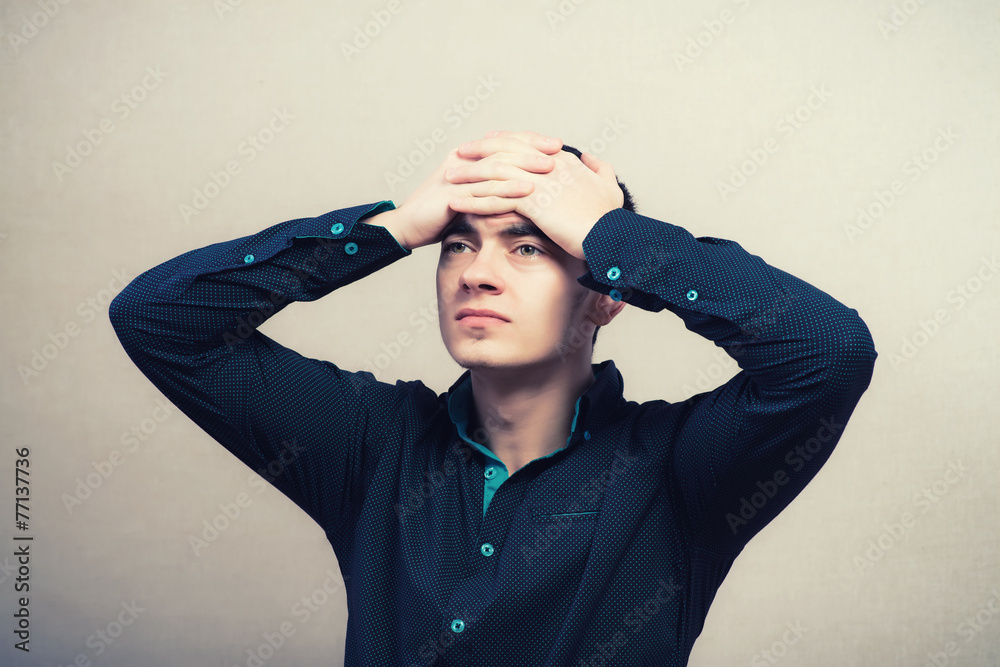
pixel 504 264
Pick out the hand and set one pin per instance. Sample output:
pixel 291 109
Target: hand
pixel 566 201
pixel 422 217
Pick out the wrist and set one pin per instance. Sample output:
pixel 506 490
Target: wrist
pixel 390 221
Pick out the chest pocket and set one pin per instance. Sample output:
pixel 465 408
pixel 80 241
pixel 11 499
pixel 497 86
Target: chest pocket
pixel 569 510
pixel 556 541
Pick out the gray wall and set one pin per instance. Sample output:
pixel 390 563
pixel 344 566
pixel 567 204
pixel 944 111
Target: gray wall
pixel 161 95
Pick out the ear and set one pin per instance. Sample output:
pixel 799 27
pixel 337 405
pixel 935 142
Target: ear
pixel 604 310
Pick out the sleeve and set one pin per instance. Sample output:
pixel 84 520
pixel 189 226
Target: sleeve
pixel 311 429
pixel 742 452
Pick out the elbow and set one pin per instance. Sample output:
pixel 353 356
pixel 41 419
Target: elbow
pixel 851 362
pixel 121 309
pixel 126 309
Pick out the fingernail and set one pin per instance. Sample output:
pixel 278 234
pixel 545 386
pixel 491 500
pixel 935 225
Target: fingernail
pixel 492 133
pixel 466 146
pixel 449 171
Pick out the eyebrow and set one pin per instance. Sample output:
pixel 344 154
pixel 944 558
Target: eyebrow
pixel 461 226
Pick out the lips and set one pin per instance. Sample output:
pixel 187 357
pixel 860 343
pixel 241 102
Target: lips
pixel 480 312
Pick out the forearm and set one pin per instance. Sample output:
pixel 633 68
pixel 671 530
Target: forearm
pixel 218 295
pixel 784 332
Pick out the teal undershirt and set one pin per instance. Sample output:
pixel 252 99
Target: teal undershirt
pixel 459 409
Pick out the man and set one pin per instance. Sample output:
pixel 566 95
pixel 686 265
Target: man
pixel 530 515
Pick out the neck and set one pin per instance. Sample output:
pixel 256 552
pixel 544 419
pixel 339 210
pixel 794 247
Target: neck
pixel 526 413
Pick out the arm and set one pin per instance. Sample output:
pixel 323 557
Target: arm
pixel 190 324
pixel 743 451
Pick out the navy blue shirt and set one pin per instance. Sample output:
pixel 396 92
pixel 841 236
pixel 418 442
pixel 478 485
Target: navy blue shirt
pixel 608 551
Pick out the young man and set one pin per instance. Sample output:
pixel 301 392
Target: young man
pixel 530 515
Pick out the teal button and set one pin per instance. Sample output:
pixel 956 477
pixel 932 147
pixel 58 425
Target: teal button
pixel 586 435
pixel 614 272
pixel 692 295
pixel 457 625
pixel 615 295
pixel 351 248
pixel 486 549
pixel 337 228
pixel 248 259
pixel 490 473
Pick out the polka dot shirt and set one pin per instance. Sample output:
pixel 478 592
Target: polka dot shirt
pixel 608 551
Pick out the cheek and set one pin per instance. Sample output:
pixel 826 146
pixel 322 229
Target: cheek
pixel 549 310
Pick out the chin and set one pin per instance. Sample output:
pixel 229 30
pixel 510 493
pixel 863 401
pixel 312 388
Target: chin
pixel 475 355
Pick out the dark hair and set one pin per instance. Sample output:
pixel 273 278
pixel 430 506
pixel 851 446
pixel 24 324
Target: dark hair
pixel 628 205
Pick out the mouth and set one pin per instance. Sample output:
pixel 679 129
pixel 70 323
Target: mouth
pixel 477 317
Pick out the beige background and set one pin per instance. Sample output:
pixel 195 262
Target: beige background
pixel 674 129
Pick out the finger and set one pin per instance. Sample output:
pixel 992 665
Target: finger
pixel 498 189
pixel 510 142
pixel 496 168
pixel 600 167
pixel 483 205
pixel 543 142
pixel 453 159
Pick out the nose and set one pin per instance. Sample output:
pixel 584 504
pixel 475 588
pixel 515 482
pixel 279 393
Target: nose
pixel 482 273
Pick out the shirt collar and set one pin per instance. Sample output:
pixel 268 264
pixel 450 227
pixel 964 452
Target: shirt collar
pixel 594 409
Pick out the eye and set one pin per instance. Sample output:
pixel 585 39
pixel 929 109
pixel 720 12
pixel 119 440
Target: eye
pixel 449 247
pixel 534 251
